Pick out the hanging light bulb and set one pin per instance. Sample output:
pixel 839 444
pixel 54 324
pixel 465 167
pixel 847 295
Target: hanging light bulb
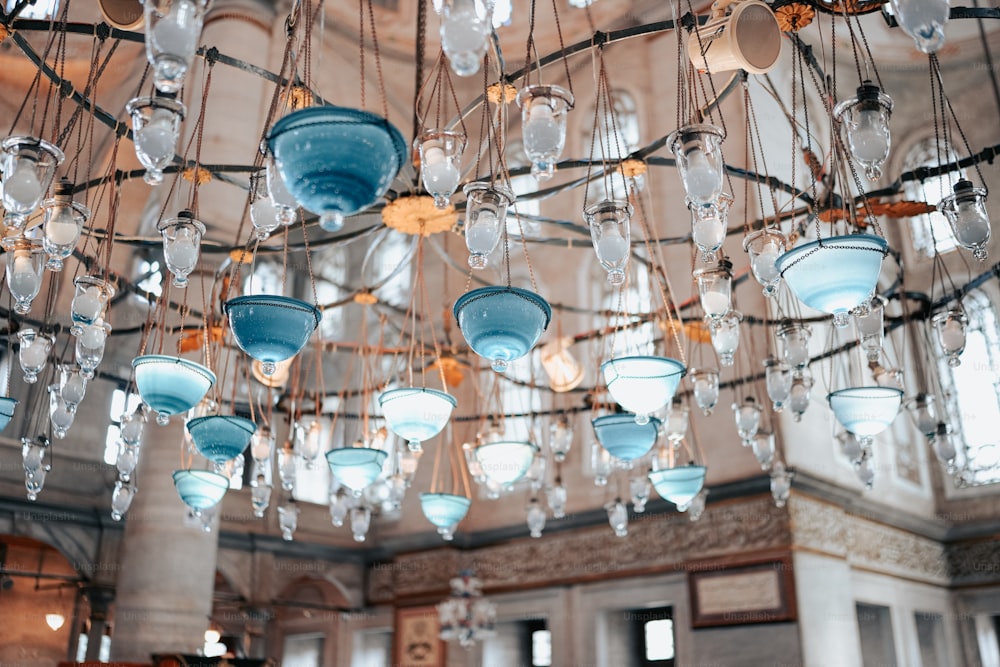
pixel 121 498
pixel 747 416
pixel 600 462
pixel 89 301
pixel 132 425
pixel 794 339
pixel 709 225
pixel 284 203
pixel 33 352
pixel 28 165
pixel 871 328
pixel 262 444
pixel 609 231
pixel 781 483
pixel 639 488
pixel 698 150
pixel 618 517
pixel 59 413
pixel 677 421
pixel 923 20
pixel 308 441
pixel 126 460
pixel 464 35
pixel 25 265
pixel 173 28
pixel 543 126
pixel 865 468
pixel 966 213
pixel 156 126
pixel 288 519
pixel 564 371
pixel 557 496
pixel 260 497
pixel 64 220
pixel 72 386
pixel 90 345
pixel 560 438
pixel 765 246
pixel 361 518
pixel 800 395
pixel 485 219
pixel 865 120
pixel 921 409
pixel 286 467
pixel 263 212
pixel 706 388
pixel 763 448
pixel 725 335
pixel 340 506
pixel 536 518
pixel 950 327
pixel 943 444
pixel 33 454
pixel 778 378
pixel 181 245
pixel 440 161
pixel 697 506
pixel 715 290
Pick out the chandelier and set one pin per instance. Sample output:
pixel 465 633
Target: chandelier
pixel 467 616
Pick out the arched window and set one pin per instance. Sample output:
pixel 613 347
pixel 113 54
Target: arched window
pixel 972 394
pixel 930 229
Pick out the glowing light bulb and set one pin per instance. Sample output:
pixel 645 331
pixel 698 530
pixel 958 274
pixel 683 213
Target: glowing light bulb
pixel 542 132
pixel 702 181
pixel 708 233
pixel 94 336
pixel 764 264
pixel 439 173
pixel 463 37
pixel 22 187
pixel 62 227
pixel 24 279
pixel 536 518
pixel 156 138
pixel 972 225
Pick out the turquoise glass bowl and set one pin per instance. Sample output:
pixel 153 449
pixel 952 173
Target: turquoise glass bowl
pixel 7 407
pixel 623 437
pixel 336 161
pixel 220 438
pixel 200 489
pixel 502 324
pixel 505 461
pixel 642 384
pixel 444 510
pixel 271 328
pixel 170 385
pixel 834 275
pixel 865 411
pixel 416 414
pixel 356 467
pixel 679 485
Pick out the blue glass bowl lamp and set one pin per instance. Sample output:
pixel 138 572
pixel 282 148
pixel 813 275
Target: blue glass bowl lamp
pixel 865 411
pixel 642 384
pixel 356 467
pixel 835 275
pixel 336 161
pixel 444 510
pixel 170 385
pixel 679 485
pixel 200 489
pixel 623 437
pixel 220 438
pixel 271 328
pixel 416 413
pixel 505 461
pixel 501 324
pixel 7 407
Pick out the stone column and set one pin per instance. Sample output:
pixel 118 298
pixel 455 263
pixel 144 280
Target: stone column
pixel 164 591
pixel 100 599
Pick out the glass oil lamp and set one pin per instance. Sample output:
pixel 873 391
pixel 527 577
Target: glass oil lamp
pixel 609 231
pixel 747 416
pixel 794 339
pixel 726 336
pixel 181 245
pixel 715 289
pixel 950 327
pixel 64 220
pixel 709 224
pixel 33 352
pixel 698 150
pixel 90 346
pixel 263 212
pixel 156 126
pixel 706 388
pixel 29 165
pixel 25 265
pixel 543 126
pixel 778 378
pixel 765 246
pixel 966 212
pixel 800 396
pixel 173 28
pixel 865 119
pixel 485 220
pixel 440 162
pixel 89 302
pixel 464 35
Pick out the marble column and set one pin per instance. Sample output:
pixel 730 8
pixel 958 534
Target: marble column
pixel 164 590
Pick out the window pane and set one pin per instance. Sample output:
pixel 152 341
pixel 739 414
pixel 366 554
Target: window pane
pixel 875 628
pixel 371 649
pixel 659 638
pixel 930 634
pixel 932 228
pixel 303 651
pixel 541 648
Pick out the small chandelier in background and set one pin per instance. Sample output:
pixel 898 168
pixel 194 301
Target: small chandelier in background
pixel 467 616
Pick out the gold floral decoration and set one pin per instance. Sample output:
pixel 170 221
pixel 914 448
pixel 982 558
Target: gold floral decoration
pixel 418 215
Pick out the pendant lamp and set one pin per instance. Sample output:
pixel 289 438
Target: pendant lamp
pixel 502 324
pixel 271 328
pixel 642 384
pixel 416 413
pixel 170 385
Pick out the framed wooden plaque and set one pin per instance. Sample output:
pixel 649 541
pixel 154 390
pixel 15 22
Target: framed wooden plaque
pixel 417 641
pixel 743 594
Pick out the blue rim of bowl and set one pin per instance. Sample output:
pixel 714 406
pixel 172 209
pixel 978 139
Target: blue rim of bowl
pixel 887 392
pixel 416 390
pixel 276 301
pixel 240 422
pixel 485 292
pixel 166 359
pixel 7 401
pixel 682 368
